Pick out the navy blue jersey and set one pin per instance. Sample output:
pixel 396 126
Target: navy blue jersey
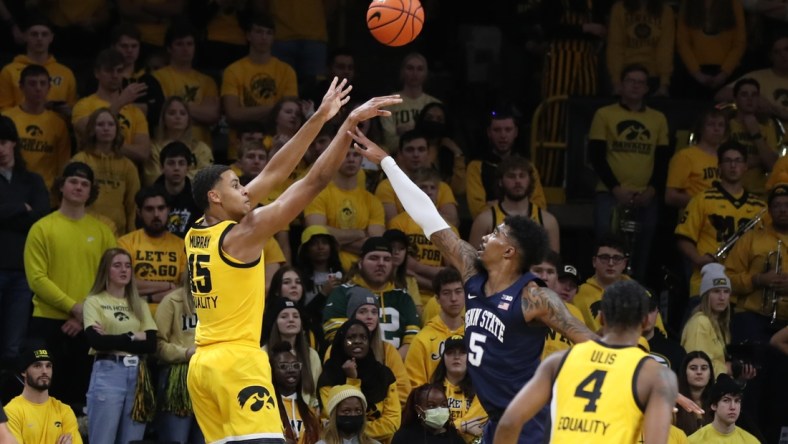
pixel 503 351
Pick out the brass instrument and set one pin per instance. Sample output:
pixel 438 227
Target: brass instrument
pixel 723 251
pixel 774 262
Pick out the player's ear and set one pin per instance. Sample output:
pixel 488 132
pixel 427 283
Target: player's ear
pixel 602 321
pixel 213 196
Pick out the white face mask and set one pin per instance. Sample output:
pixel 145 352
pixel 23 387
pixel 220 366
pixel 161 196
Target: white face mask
pixel 436 418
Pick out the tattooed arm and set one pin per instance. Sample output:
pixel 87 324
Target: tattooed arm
pixel 657 391
pixel 543 305
pixel 458 253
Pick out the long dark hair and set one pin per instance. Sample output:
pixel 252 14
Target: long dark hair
pixel 305 264
pixel 466 385
pixel 717 18
pixel 653 7
pixel 375 377
pixel 419 396
pixel 301 349
pixel 689 422
pixel 311 424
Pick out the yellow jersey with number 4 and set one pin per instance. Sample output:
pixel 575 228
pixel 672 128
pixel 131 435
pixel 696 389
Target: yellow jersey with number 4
pixel 228 294
pixel 594 399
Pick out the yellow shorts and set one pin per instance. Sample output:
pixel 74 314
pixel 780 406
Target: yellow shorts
pixel 232 394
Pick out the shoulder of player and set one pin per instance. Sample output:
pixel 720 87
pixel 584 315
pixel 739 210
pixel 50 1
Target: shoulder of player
pixel 652 376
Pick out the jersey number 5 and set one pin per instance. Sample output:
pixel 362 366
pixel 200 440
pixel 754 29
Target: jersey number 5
pixel 590 388
pixel 475 350
pixel 198 271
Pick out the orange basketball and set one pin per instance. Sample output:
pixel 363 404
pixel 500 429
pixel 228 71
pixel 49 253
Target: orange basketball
pixel 395 22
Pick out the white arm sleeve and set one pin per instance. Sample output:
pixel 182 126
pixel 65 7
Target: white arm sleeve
pixel 418 205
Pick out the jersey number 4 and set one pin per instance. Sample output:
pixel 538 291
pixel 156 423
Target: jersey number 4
pixel 199 275
pixel 590 388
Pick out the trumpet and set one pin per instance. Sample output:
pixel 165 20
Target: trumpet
pixel 774 262
pixel 723 251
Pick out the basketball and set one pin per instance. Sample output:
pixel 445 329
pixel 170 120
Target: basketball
pixel 395 22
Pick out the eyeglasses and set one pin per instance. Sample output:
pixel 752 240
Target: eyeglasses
pixel 615 259
pixel 287 366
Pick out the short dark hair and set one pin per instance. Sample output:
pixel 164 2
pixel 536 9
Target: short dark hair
pixel 8 132
pixel 341 51
pixel 633 67
pixel 61 180
pixel 624 304
pixel 32 70
pixel 108 59
pixel 553 258
pixel 179 29
pixel 745 81
pixel 731 145
pixel 424 174
pixel 725 385
pixel 124 29
pixel 611 241
pixel 409 136
pixel 258 19
pixel 517 162
pixel 250 127
pixel 176 148
pixel 531 239
pixel 502 114
pixel 148 193
pixel 204 181
pixel 446 275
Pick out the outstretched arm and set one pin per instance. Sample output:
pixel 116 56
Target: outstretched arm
pixel 419 206
pixel 245 242
pixel 531 398
pixel 544 305
pixel 286 159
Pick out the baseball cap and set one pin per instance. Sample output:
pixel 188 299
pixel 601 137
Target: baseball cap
pixel 79 169
pixel 30 356
pixel 454 342
pixel 569 272
pixel 781 189
pixel 312 231
pixel 394 235
pixel 377 243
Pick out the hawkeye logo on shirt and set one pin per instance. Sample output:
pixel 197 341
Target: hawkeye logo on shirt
pixel 190 93
pixel 259 395
pixel 34 130
pixel 58 424
pixel 262 87
pixel 633 137
pixel 150 265
pixel 121 316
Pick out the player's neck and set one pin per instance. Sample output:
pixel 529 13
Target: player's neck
pixel 621 337
pixel 35 396
pixel 39 58
pixel 725 429
pixel 733 188
pixel 452 322
pixel 499 277
pixel 33 107
pixel 344 182
pixel 516 207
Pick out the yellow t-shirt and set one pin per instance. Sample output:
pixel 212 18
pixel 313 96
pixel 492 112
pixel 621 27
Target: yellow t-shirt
pixel 711 218
pixel 692 170
pixel 356 209
pixel 63 85
pixel 754 179
pixel 118 182
pixel 193 87
pixel 426 349
pixel 594 399
pixel 132 120
pixel 41 423
pixel 632 139
pixel 304 20
pixel 699 334
pixel 65 13
pixel 709 435
pixel 152 32
pixel 463 409
pixel 477 194
pixel 175 328
pixel 115 315
pixel 229 295
pixel 224 27
pixel 386 194
pixel 43 141
pixel 723 47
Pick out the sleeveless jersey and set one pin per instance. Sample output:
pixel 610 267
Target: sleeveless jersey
pixel 594 399
pixel 503 351
pixel 534 213
pixel 228 294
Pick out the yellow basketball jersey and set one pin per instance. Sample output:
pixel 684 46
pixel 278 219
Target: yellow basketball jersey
pixel 534 213
pixel 228 294
pixel 593 395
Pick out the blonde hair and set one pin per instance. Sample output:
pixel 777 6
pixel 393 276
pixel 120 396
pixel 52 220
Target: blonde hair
pixel 102 282
pixel 186 137
pixel 720 322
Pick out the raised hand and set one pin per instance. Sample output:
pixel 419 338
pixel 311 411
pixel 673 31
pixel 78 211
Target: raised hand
pixel 371 108
pixel 336 97
pixel 369 149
